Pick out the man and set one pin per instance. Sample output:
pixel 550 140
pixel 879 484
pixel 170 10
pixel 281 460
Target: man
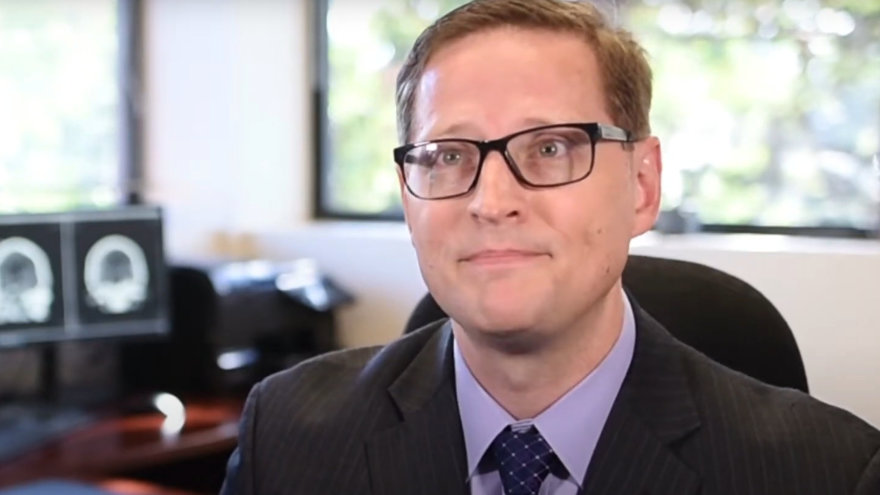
pixel 529 169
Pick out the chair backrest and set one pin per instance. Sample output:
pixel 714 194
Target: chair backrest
pixel 712 311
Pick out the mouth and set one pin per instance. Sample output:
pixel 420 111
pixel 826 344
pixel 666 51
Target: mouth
pixel 489 257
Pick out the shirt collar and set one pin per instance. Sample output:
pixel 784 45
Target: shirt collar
pixel 482 419
pixel 571 425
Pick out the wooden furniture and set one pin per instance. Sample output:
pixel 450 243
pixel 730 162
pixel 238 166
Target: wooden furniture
pixel 129 452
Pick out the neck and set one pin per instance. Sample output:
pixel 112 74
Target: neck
pixel 527 383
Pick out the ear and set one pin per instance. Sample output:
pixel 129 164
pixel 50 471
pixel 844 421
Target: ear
pixel 647 170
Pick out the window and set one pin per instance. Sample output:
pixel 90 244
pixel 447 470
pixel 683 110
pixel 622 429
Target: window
pixel 67 135
pixel 768 111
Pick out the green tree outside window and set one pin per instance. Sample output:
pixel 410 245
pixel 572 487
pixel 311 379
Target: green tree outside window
pixel 768 110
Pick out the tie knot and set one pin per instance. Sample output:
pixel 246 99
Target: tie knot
pixel 523 460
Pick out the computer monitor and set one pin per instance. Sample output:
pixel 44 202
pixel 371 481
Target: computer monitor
pixel 82 275
pixel 74 276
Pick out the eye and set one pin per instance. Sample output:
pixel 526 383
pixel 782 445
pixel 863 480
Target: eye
pixel 450 157
pixel 552 147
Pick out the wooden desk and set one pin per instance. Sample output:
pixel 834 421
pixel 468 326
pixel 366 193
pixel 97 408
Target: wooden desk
pixel 132 446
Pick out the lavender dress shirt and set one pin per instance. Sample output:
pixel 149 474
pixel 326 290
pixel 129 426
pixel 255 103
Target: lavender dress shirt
pixel 571 425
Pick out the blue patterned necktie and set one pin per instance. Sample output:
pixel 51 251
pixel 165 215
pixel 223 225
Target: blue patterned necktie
pixel 523 460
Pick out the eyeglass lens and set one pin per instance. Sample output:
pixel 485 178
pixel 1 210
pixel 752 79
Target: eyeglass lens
pixel 544 157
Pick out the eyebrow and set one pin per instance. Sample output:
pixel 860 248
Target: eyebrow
pixel 455 130
pixel 461 129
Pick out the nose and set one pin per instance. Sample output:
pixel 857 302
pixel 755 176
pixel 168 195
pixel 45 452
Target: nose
pixel 498 196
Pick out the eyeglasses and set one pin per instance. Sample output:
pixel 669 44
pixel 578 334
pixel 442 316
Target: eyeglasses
pixel 546 156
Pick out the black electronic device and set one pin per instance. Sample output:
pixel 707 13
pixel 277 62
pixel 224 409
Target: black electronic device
pixel 235 322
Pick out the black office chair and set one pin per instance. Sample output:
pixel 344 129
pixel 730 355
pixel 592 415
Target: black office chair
pixel 716 313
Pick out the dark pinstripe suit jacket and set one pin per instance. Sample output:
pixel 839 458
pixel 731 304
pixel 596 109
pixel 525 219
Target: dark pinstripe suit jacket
pixel 385 421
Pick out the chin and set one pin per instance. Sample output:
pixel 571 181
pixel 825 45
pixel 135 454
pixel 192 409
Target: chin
pixel 501 320
pixel 507 336
pixel 501 305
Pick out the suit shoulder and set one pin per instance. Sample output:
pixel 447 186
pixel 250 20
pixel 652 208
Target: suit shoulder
pixel 338 364
pixel 347 375
pixel 769 415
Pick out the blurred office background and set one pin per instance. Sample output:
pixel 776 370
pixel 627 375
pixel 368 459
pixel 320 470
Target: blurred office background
pixel 264 129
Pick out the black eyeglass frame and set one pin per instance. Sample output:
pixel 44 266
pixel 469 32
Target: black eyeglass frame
pixel 596 131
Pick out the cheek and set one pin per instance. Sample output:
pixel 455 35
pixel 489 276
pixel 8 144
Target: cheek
pixel 595 226
pixel 431 229
pixel 424 243
pixel 613 213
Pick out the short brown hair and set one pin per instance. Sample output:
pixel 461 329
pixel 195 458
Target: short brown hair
pixel 624 69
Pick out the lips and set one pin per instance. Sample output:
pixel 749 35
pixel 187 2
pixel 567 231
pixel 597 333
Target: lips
pixel 502 256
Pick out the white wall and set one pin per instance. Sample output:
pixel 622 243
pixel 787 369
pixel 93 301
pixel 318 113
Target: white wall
pixel 229 154
pixel 227 122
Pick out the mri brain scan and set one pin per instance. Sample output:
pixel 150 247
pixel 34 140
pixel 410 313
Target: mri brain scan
pixel 116 275
pixel 25 282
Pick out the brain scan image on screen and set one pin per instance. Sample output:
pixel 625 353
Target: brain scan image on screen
pixel 25 282
pixel 116 275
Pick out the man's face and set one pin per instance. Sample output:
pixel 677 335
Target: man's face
pixel 507 258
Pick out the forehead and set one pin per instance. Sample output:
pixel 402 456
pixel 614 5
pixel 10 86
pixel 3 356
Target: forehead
pixel 504 79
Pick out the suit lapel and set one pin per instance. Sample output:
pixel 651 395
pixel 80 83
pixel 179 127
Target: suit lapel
pixel 654 410
pixel 425 452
